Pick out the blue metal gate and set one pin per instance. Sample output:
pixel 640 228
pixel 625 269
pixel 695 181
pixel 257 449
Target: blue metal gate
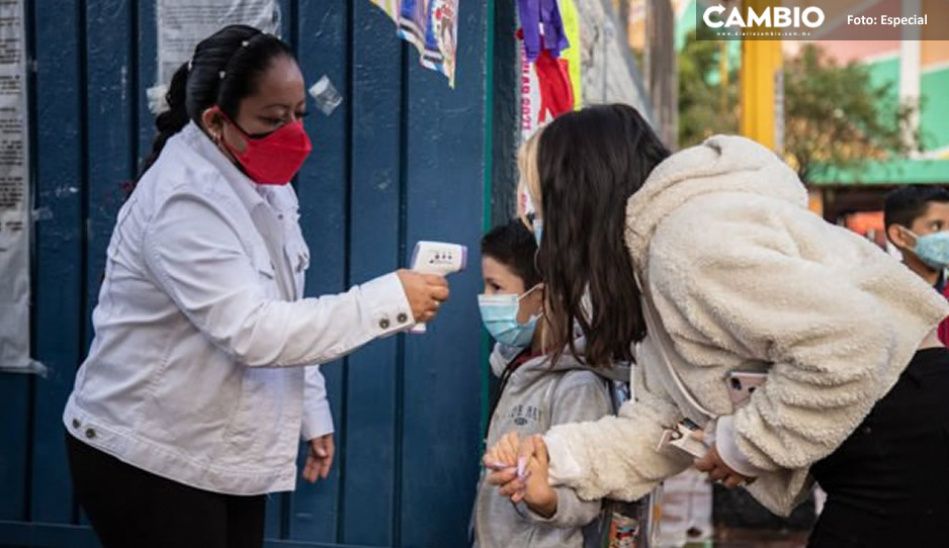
pixel 403 159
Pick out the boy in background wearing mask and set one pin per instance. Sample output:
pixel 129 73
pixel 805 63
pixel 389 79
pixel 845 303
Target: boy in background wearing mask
pixel 534 394
pixel 917 223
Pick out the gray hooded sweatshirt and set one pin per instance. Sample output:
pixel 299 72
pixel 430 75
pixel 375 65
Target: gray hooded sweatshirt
pixel 536 397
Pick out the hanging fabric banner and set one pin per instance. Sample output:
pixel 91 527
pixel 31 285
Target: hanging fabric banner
pixel 549 79
pixel 546 82
pixel 430 25
pixel 571 28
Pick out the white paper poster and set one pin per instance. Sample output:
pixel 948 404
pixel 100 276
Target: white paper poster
pixel 184 23
pixel 15 201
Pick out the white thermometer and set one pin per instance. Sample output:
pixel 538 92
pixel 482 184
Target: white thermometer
pixel 438 258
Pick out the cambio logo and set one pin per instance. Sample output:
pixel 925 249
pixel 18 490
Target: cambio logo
pixel 772 17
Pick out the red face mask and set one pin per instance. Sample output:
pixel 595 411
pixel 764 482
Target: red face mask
pixel 273 158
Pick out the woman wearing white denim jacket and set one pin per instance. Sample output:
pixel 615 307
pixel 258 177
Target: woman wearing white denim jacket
pixel 738 275
pixel 191 403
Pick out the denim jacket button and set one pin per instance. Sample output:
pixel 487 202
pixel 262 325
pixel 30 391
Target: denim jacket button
pixel 90 433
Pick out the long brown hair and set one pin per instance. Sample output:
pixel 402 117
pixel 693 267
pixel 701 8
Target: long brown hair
pixel 589 163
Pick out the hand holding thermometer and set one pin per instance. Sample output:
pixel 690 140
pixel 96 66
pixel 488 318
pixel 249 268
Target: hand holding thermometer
pixel 438 258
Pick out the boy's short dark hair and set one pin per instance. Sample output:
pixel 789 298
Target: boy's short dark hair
pixel 513 245
pixel 907 203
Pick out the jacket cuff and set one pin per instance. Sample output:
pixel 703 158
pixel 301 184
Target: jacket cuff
pixel 570 512
pixel 317 419
pixel 388 307
pixel 726 443
pixel 537 518
pixel 563 467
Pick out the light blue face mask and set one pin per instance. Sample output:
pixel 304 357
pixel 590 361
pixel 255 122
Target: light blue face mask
pixel 932 249
pixel 499 314
pixel 538 226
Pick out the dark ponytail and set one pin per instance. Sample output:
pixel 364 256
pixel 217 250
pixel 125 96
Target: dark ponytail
pixel 224 69
pixel 172 120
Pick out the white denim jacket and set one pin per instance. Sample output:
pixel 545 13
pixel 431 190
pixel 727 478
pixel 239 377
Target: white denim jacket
pixel 195 373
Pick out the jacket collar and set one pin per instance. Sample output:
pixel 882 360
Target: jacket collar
pixel 245 189
pixel 266 205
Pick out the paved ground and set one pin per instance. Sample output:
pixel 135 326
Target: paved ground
pixel 751 538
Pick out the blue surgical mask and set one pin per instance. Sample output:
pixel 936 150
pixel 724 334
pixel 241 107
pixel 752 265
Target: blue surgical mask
pixel 499 314
pixel 932 249
pixel 538 226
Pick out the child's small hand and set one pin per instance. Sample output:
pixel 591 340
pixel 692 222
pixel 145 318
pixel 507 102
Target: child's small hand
pixel 503 456
pixel 502 461
pixel 538 494
pixel 520 470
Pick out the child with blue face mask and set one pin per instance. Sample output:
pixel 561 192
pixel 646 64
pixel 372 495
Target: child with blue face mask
pixel 533 395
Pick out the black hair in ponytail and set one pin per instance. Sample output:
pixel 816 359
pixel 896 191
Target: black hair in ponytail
pixel 224 69
pixel 172 120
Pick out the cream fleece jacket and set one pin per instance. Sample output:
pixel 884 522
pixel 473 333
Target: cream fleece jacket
pixel 745 277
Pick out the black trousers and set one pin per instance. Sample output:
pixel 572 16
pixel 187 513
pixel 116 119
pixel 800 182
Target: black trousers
pixel 888 484
pixel 131 508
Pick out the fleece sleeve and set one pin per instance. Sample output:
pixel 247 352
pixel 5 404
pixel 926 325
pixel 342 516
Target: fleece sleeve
pixel 616 456
pixel 742 283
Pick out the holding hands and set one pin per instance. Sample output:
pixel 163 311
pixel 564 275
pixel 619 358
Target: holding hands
pixel 719 471
pixel 519 467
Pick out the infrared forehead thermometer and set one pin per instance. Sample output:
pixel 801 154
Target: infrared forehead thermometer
pixel 438 258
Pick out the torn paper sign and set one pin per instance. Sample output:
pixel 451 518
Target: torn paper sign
pixel 15 205
pixel 391 7
pixel 184 23
pixel 432 26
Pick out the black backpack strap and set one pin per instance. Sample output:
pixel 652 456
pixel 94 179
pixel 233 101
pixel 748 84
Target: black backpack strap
pixel 505 377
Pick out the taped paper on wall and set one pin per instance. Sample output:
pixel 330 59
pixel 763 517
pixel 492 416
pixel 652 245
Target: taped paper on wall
pixel 15 194
pixel 184 23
